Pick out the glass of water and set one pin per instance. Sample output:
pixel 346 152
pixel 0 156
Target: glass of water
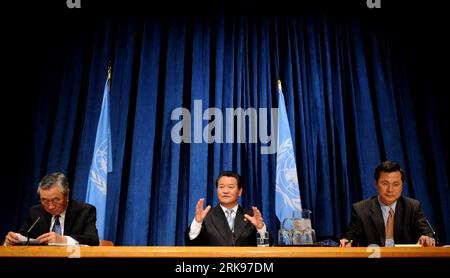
pixel 262 239
pixel 389 242
pixel 284 237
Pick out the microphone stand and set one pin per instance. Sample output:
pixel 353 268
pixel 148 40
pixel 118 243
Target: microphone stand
pixel 28 239
pixel 28 232
pixel 436 239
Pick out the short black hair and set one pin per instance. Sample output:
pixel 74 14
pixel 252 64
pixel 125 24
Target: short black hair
pixel 389 167
pixel 229 174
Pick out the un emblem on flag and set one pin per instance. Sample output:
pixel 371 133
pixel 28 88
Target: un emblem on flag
pixel 100 166
pixel 287 182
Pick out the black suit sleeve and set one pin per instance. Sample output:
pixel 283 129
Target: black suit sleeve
pixel 24 228
pixel 419 219
pixel 42 225
pixel 355 230
pixel 200 240
pixel 87 234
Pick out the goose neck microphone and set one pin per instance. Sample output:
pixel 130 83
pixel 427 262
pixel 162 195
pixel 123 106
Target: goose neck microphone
pixel 28 231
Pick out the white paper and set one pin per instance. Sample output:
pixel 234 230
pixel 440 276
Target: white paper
pixel 23 240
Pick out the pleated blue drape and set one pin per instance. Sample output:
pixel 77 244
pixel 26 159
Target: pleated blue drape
pixel 352 101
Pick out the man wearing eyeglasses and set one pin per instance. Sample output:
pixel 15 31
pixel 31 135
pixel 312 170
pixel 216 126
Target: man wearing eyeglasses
pixel 388 218
pixel 57 220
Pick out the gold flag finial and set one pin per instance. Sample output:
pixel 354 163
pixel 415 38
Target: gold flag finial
pixel 109 70
pixel 279 84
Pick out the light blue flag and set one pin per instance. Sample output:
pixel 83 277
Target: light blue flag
pixel 287 197
pixel 101 164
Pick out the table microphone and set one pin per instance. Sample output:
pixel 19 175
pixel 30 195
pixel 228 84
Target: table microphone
pixel 28 232
pixel 434 233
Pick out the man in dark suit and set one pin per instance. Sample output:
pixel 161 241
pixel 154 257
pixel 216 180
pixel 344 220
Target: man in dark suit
pixel 388 218
pixel 228 224
pixel 60 221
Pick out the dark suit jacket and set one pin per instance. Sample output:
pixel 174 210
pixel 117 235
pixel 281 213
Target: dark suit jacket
pixel 216 232
pixel 79 222
pixel 367 225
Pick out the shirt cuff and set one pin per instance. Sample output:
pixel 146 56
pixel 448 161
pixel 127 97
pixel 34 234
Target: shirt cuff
pixel 71 241
pixel 262 230
pixel 195 229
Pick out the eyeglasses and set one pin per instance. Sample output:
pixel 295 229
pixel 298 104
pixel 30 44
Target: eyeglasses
pixel 54 201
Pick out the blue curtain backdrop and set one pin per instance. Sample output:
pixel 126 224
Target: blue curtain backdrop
pixel 358 90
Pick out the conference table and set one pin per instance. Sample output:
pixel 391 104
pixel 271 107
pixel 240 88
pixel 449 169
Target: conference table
pixel 224 260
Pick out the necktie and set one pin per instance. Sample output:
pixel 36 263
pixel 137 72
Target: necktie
pixel 57 226
pixel 390 224
pixel 230 219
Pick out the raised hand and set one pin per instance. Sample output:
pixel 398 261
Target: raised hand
pixel 257 219
pixel 201 213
